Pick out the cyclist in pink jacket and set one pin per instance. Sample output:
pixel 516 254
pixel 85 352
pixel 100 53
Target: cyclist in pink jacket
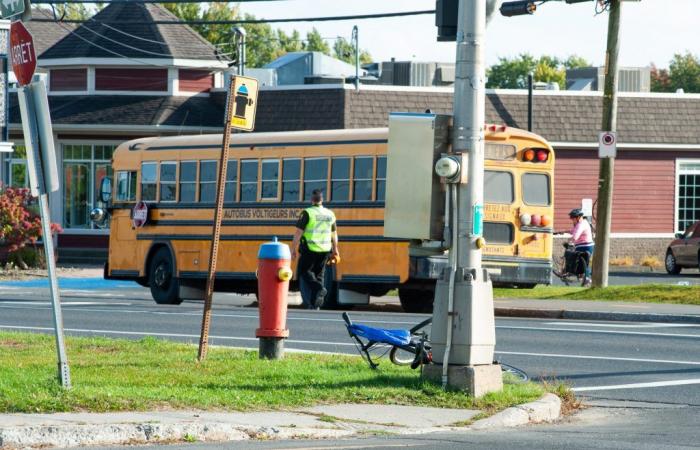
pixel 582 236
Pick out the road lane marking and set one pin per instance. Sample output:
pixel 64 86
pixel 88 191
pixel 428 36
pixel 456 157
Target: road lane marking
pixel 637 385
pixel 142 333
pixel 626 325
pixel 603 358
pixel 576 330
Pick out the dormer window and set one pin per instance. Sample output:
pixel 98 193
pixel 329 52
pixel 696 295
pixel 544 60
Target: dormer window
pixel 68 79
pixel 131 79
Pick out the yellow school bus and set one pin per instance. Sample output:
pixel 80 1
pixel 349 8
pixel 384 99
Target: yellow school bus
pixel 164 192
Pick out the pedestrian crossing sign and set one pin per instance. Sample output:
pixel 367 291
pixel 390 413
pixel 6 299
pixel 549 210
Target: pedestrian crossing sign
pixel 245 101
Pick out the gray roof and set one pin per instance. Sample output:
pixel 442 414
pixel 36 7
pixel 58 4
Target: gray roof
pixel 131 33
pixel 46 34
pixel 126 110
pixel 558 117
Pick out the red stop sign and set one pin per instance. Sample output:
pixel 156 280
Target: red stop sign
pixel 22 53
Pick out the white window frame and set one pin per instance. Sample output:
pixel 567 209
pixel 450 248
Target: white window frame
pixel 680 162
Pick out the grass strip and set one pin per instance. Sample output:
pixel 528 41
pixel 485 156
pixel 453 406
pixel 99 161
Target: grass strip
pixel 645 293
pixel 124 375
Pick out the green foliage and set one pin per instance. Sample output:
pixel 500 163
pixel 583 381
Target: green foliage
pixel 511 73
pixel 345 51
pixel 315 43
pixel 683 73
pixel 649 293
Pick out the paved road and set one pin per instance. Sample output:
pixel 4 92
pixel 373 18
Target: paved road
pixel 648 362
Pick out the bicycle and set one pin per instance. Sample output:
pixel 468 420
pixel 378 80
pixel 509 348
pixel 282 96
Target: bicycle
pixel 407 347
pixel 572 266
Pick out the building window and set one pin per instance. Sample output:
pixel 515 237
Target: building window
pixel 16 167
pixel 381 178
pixel 168 181
pixel 291 178
pixel 149 177
pixel 113 79
pixel 68 79
pixel 188 181
pixel 363 173
pixel 207 181
pixel 340 179
pixel 498 187
pixel 688 193
pixel 315 176
pixel 231 181
pixel 249 180
pixel 84 167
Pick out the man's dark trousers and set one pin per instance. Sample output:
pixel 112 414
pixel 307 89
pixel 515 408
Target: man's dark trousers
pixel 311 270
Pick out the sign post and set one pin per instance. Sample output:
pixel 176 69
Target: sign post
pixel 41 162
pixel 242 95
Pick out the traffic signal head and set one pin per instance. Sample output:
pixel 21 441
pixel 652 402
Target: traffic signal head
pixel 518 8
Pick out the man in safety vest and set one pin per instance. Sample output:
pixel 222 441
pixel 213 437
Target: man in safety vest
pixel 316 238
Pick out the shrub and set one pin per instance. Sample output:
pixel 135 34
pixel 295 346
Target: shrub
pixel 626 261
pixel 20 223
pixel 650 261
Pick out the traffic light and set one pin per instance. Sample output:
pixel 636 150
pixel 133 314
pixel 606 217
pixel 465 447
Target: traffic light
pixel 519 8
pixel 446 19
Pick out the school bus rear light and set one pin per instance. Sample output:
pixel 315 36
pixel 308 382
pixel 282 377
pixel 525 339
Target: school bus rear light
pixel 535 155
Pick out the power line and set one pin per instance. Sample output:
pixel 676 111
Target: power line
pixel 49 2
pixel 248 21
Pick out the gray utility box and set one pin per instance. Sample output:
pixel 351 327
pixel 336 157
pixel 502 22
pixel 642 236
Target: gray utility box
pixel 415 197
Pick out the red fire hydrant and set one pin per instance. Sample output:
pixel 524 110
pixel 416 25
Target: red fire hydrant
pixel 273 274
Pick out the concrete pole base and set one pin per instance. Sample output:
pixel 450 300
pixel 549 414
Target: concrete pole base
pixel 271 348
pixel 474 380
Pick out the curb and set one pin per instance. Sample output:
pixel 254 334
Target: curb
pixel 595 315
pixel 546 409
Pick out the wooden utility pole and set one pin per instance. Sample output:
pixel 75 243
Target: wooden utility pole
pixel 601 254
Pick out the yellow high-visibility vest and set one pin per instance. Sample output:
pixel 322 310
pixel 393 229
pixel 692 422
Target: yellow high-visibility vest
pixel 317 233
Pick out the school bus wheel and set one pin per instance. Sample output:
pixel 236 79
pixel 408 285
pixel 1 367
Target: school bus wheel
pixel 165 287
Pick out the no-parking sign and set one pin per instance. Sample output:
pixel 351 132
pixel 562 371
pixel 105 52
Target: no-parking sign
pixel 607 144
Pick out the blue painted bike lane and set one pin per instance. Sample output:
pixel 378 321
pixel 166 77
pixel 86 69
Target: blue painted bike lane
pixel 88 284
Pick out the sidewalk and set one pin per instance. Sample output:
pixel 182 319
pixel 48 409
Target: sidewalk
pixel 321 422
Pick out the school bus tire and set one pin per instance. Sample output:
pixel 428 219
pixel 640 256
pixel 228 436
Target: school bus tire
pixel 414 300
pixel 165 287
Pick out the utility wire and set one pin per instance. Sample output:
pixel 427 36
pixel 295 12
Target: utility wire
pixel 48 2
pixel 249 21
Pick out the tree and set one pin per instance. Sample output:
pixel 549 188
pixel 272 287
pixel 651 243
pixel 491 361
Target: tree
pixel 315 43
pixel 345 51
pixel 20 224
pixel 512 73
pixel 684 72
pixel 660 81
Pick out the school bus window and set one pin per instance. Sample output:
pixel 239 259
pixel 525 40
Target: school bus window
pixel 536 189
pixel 168 181
pixel 340 179
pixel 148 181
pixel 188 181
pixel 291 177
pixel 207 181
pixel 249 180
pixel 362 178
pixel 126 186
pixel 381 178
pixel 231 180
pixel 498 233
pixel 498 187
pixel 270 179
pixel 315 176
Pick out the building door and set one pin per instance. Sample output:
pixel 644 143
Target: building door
pixel 76 195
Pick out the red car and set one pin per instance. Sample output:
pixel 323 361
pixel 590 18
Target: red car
pixel 684 251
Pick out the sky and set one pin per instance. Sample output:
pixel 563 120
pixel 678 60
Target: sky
pixel 652 31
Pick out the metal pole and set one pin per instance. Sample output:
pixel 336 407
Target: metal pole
pixel 355 39
pixel 529 101
pixel 468 347
pixel 601 254
pixel 216 232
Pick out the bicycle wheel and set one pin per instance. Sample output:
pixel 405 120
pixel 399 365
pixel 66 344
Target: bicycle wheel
pixel 559 270
pixel 583 264
pixel 513 375
pixel 402 356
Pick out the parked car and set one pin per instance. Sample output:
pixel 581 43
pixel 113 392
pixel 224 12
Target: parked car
pixel 684 251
